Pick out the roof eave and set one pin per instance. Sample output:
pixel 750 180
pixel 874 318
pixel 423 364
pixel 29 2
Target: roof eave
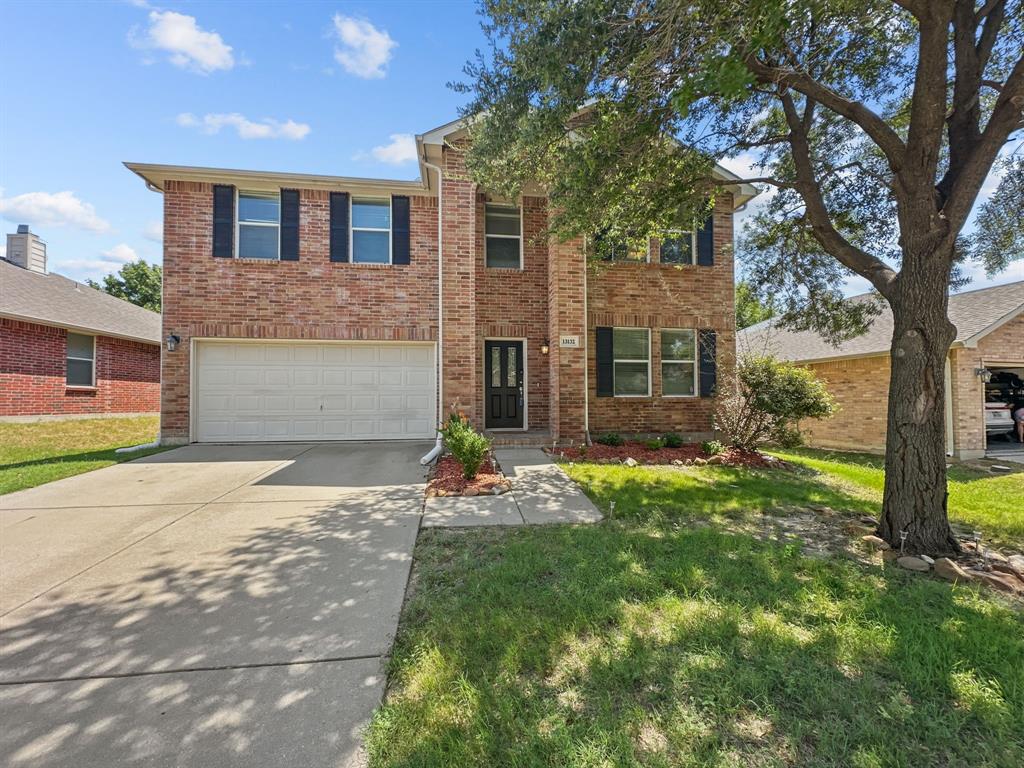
pixel 78 328
pixel 972 341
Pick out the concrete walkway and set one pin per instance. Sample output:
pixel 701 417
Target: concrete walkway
pixel 541 493
pixel 207 606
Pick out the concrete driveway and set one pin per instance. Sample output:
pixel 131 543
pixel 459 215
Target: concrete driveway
pixel 207 606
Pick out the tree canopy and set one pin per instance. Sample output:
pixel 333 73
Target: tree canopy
pixel 137 282
pixel 620 108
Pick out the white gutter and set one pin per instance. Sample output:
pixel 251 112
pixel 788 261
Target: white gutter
pixel 586 354
pixel 434 452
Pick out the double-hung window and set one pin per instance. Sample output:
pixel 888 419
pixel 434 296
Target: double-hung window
pixel 609 249
pixel 81 368
pixel 679 247
pixel 678 363
pixel 371 231
pixel 259 225
pixel 503 235
pixel 631 362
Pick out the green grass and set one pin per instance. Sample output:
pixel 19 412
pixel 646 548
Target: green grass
pixel 978 500
pixel 37 453
pixel 660 638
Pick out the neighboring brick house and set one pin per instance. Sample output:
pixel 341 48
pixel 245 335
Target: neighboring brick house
pixel 315 308
pixel 68 350
pixel 984 374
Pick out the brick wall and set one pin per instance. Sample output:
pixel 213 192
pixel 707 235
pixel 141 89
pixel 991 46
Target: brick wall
pixel 657 296
pixel 513 304
pixel 33 361
pixel 311 298
pixel 860 387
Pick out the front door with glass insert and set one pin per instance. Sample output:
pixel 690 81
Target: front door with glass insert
pixel 504 394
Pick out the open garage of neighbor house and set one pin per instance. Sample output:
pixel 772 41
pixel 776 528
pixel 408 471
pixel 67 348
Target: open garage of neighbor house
pixel 251 391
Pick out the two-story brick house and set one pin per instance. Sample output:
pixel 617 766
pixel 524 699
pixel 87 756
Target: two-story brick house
pixel 307 307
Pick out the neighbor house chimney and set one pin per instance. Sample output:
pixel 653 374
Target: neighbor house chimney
pixel 26 250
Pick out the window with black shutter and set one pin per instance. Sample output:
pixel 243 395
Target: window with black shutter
pixel 339 226
pixel 289 225
pixel 400 253
pixel 223 221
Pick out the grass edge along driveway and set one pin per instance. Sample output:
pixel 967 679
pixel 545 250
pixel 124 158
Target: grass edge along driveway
pixel 662 638
pixel 39 452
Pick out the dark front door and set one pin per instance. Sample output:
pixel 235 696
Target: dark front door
pixel 503 384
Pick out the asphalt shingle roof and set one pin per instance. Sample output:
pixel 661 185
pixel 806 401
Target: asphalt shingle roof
pixel 971 312
pixel 53 299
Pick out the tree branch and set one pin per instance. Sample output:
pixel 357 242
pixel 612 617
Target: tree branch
pixel 869 121
pixel 928 102
pixel 875 270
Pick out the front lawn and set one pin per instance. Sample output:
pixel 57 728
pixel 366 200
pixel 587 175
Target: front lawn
pixel 664 637
pixel 37 453
pixel 978 500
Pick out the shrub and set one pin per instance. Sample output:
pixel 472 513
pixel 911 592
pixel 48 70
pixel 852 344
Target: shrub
pixel 672 440
pixel 654 444
pixel 610 438
pixel 768 398
pixel 467 445
pixel 712 447
pixel 786 436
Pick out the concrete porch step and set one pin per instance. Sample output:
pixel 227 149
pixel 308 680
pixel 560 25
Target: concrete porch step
pixel 533 438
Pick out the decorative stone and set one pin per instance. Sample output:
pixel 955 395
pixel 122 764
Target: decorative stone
pixel 1001 468
pixel 629 461
pixel 890 555
pixel 700 461
pixel 876 542
pixel 912 563
pixel 995 557
pixel 1001 581
pixel 1017 561
pixel 927 559
pixel 677 462
pixel 868 520
pixel 950 570
pixel 470 492
pixel 715 460
pixel 498 490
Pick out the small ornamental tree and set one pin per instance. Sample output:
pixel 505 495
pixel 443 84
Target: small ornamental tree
pixel 768 397
pixel 876 121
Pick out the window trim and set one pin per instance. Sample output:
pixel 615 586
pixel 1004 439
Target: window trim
pixel 522 260
pixel 672 234
pixel 67 356
pixel 239 224
pixel 352 230
pixel 695 362
pixel 616 360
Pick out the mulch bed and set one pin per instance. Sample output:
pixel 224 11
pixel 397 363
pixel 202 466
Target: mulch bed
pixel 447 479
pixel 616 454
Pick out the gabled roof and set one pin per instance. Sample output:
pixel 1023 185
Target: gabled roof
pixel 436 137
pixel 974 313
pixel 53 299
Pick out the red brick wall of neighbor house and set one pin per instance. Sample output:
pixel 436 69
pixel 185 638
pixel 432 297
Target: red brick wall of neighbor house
pixel 512 303
pixel 311 298
pixel 660 296
pixel 33 361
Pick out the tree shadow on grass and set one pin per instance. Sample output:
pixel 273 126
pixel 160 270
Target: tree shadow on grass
pixel 626 645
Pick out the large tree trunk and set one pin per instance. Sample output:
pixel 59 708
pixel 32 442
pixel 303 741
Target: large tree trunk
pixel 915 495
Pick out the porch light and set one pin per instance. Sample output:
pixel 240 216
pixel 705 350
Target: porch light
pixel 545 347
pixel 984 374
pixel 172 342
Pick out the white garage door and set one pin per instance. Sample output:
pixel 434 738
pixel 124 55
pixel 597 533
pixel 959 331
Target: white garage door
pixel 252 391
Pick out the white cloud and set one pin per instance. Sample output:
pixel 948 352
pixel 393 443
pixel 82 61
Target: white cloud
pixel 154 231
pixel 188 46
pixel 365 50
pixel 264 128
pixel 121 253
pixel 59 209
pixel 402 149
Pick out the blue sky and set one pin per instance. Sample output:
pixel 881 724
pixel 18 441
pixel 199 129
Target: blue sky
pixel 319 87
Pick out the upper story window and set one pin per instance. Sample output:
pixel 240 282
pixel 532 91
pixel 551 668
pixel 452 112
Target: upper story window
pixel 678 363
pixel 259 222
pixel 503 235
pixel 608 249
pixel 371 231
pixel 679 247
pixel 81 367
pixel 631 362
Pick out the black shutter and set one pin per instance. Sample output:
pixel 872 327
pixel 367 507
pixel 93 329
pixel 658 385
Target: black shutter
pixel 339 226
pixel 605 368
pixel 708 371
pixel 223 220
pixel 399 229
pixel 289 225
pixel 706 243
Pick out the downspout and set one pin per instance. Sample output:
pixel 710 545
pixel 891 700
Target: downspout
pixel 586 357
pixel 434 452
